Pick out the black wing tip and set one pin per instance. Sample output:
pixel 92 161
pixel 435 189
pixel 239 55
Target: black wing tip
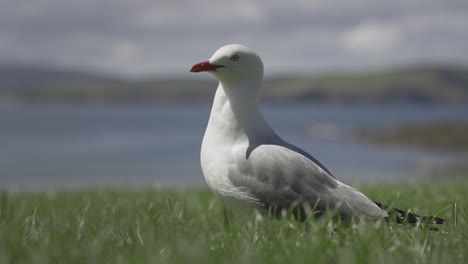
pixel 437 220
pixel 401 216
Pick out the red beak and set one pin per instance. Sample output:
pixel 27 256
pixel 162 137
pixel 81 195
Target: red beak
pixel 204 66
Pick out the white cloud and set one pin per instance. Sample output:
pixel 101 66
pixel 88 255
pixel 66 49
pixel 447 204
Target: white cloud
pixel 137 36
pixel 372 38
pixel 124 51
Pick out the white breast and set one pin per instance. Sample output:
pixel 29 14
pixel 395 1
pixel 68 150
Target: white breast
pixel 217 162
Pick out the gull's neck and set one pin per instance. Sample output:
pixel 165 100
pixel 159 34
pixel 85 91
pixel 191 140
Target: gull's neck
pixel 236 115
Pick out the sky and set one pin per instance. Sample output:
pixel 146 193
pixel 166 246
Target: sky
pixel 154 37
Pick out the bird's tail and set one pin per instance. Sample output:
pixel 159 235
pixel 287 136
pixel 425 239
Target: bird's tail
pixel 400 216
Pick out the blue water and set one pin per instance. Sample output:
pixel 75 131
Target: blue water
pixel 75 145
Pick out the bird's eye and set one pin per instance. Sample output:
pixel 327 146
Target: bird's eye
pixel 235 58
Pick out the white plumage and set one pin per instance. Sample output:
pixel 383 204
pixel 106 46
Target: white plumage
pixel 244 160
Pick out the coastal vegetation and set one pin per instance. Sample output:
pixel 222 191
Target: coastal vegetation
pixel 438 136
pixel 419 84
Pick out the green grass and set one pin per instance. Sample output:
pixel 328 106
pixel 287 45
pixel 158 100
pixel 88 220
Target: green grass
pixel 175 226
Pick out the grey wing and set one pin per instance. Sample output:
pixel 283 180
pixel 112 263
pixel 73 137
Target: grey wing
pixel 307 155
pixel 276 175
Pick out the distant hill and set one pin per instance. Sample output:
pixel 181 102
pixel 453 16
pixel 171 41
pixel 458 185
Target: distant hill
pixel 442 84
pixel 415 84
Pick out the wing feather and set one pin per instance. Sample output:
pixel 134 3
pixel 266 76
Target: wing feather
pixel 280 176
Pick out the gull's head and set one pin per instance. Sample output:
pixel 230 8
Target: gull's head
pixel 233 64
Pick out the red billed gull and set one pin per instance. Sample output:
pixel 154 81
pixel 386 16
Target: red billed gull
pixel 245 162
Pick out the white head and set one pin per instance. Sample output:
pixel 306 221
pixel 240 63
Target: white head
pixel 233 64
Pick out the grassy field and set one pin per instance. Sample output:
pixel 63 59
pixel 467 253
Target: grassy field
pixel 190 226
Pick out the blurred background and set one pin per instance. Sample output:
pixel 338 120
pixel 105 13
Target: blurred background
pixel 97 93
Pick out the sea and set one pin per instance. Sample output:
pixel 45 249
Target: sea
pixel 75 145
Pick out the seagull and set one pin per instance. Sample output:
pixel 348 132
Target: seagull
pixel 245 162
